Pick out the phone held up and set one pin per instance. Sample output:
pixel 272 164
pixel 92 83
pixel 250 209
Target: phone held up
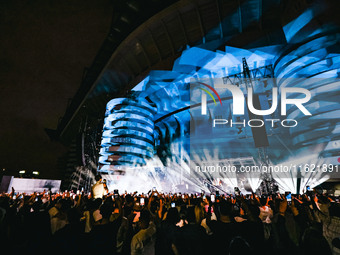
pixel 237 191
pixel 115 193
pixel 141 201
pixel 288 196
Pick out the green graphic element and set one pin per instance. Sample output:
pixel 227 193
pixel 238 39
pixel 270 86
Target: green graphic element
pixel 209 95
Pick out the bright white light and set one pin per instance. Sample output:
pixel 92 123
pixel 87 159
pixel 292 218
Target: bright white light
pixel 22 172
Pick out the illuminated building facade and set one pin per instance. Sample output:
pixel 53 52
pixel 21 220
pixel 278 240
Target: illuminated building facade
pixel 147 84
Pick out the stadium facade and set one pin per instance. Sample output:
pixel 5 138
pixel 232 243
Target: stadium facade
pixel 151 109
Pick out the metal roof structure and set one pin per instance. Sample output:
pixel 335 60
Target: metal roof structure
pixel 149 45
pixel 152 35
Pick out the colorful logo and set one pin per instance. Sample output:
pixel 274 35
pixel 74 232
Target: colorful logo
pixel 239 100
pixel 209 93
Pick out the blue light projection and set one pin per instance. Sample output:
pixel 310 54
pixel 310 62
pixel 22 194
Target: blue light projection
pixel 128 133
pixel 159 113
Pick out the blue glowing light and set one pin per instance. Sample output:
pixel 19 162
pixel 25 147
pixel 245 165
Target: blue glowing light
pixel 160 111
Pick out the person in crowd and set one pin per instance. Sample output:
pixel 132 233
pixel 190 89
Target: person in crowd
pixel 99 189
pixel 70 238
pixel 166 233
pixel 239 246
pixel 103 236
pixel 58 215
pixel 144 241
pixel 190 237
pixel 71 222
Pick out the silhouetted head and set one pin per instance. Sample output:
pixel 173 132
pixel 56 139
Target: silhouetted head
pixel 189 214
pixel 73 216
pixel 106 210
pixel 172 216
pixel 96 203
pixel 255 210
pixel 199 214
pixel 129 200
pixel 98 177
pixel 313 242
pixel 226 208
pixel 144 219
pixel 263 200
pixel 239 246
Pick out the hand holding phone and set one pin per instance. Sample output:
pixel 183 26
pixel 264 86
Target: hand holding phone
pixel 288 197
pixel 237 191
pixel 115 192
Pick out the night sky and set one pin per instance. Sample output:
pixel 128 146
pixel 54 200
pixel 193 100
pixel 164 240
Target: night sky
pixel 44 47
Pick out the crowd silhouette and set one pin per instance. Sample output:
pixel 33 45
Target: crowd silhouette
pixel 75 222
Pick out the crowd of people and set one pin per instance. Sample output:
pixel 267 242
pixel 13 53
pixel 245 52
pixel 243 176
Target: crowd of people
pixel 103 222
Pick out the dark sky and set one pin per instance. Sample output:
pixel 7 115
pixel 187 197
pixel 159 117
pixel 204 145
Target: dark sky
pixel 44 47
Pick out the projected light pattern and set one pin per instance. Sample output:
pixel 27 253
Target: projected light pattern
pixel 311 61
pixel 127 134
pixel 321 68
pixel 155 174
pixel 136 134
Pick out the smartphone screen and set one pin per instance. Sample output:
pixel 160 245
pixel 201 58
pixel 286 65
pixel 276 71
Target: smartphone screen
pixel 289 196
pixel 142 201
pixel 173 205
pixel 308 188
pixel 115 192
pixel 212 197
